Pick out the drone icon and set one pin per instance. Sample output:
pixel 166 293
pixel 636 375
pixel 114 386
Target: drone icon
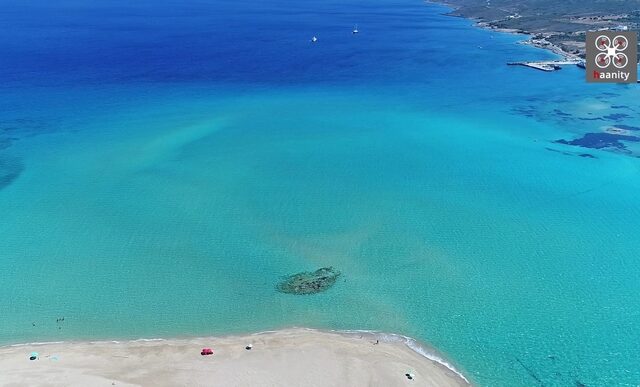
pixel 611 51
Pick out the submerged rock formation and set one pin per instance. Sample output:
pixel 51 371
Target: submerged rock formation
pixel 309 282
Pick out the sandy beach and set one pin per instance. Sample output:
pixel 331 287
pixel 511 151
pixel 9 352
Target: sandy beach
pixel 292 357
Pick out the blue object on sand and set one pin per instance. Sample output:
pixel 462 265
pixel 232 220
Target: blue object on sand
pixel 33 356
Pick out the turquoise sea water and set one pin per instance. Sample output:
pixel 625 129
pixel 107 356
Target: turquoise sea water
pixel 162 165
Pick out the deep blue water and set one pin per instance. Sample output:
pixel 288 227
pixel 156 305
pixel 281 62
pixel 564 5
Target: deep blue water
pixel 163 164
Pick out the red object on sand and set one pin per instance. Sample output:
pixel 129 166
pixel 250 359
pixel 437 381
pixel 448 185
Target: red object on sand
pixel 206 351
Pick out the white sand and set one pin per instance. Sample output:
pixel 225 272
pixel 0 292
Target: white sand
pixel 293 357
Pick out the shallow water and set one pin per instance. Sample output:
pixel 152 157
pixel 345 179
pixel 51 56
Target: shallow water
pixel 162 166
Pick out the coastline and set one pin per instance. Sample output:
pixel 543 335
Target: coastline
pixel 287 357
pixel 541 43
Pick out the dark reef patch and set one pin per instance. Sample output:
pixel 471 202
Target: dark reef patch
pixel 616 116
pixel 5 143
pixel 309 282
pixel 585 155
pixel 601 141
pixel 628 127
pixel 591 119
pixel 13 129
pixel 559 151
pixel 527 111
pixel 10 169
pixel 531 373
pixel 560 113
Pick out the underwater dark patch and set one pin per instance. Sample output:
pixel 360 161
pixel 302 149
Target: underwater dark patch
pixel 601 141
pixel 628 127
pixel 616 116
pixel 527 111
pixel 10 169
pixel 555 150
pixel 585 155
pixel 5 143
pixel 531 373
pixel 591 119
pixel 559 151
pixel 309 282
pixel 560 113
pixel 24 127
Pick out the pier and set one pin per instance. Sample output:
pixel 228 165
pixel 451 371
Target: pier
pixel 552 65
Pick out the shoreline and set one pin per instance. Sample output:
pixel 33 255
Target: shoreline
pixel 541 43
pixel 350 352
